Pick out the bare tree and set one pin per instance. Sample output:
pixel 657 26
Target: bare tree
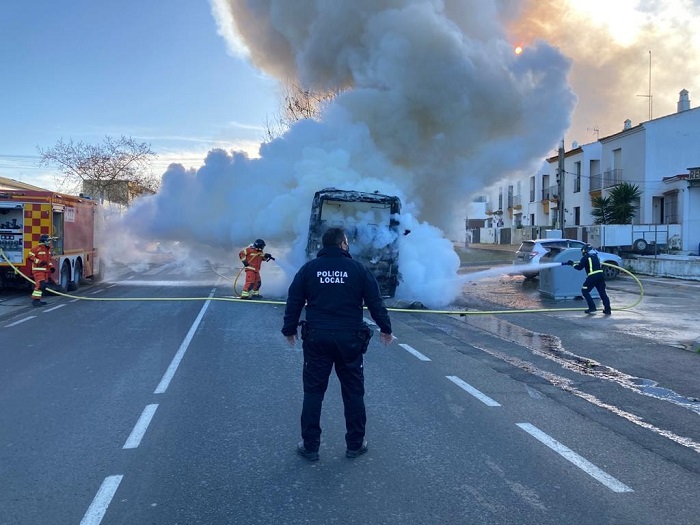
pixel 116 169
pixel 297 103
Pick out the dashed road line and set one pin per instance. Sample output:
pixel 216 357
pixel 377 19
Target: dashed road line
pixel 98 507
pixel 413 351
pixel 54 308
pixel 486 400
pixel 20 321
pixel 134 439
pixel 170 372
pixel 581 462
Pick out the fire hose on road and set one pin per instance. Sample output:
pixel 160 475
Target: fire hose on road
pixel 265 301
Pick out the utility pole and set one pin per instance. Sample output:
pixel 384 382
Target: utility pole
pixel 649 96
pixel 560 190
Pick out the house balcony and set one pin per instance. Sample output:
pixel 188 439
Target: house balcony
pixel 604 180
pixel 514 203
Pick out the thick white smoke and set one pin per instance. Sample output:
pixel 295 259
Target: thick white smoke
pixel 434 108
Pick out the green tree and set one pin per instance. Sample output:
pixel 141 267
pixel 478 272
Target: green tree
pixel 619 207
pixel 601 210
pixel 623 198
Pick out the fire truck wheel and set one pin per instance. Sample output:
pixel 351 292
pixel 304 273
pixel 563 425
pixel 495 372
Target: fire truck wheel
pixel 77 276
pixel 64 278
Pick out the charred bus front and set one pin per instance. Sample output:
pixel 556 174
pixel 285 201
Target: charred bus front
pixel 370 221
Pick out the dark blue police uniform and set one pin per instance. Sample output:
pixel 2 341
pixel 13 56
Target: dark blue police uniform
pixel 595 279
pixel 334 287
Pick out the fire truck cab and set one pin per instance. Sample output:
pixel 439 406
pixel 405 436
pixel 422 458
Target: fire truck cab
pixel 26 214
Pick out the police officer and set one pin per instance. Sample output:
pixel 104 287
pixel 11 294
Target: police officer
pixel 594 279
pixel 333 287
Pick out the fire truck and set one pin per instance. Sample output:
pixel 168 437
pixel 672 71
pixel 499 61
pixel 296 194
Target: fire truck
pixel 72 222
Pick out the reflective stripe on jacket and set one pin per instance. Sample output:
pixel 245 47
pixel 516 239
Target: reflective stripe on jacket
pixel 253 257
pixel 40 253
pixel 591 263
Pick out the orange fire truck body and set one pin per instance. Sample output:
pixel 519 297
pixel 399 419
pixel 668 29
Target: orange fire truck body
pixel 72 223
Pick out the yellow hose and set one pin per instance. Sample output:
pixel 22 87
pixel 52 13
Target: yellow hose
pixel 235 280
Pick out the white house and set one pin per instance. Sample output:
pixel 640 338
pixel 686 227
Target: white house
pixel 660 156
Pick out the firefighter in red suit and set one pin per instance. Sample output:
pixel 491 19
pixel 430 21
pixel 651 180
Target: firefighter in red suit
pixel 252 258
pixel 42 268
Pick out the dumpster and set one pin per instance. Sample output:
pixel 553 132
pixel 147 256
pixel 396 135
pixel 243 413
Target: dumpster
pixel 562 282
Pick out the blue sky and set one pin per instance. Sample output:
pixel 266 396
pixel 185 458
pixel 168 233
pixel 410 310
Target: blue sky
pixel 84 69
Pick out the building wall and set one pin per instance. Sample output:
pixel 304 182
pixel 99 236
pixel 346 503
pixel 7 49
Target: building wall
pixel 649 152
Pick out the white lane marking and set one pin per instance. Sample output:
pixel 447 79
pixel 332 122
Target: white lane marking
pixel 98 507
pixel 134 439
pixel 170 372
pixel 20 321
pixel 98 291
pixel 582 463
pixel 115 284
pixel 74 300
pixel 486 400
pixel 413 351
pixel 54 308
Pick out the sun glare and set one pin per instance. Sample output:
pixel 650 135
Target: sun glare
pixel 622 17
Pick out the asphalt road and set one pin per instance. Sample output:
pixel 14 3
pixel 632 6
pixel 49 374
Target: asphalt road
pixel 169 411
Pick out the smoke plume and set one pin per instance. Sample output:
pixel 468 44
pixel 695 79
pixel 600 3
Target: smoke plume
pixel 434 105
pixel 611 44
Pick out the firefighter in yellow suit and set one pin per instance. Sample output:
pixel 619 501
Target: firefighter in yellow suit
pixel 42 268
pixel 252 258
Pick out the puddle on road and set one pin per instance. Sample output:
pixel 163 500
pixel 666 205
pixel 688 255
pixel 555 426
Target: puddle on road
pixel 551 348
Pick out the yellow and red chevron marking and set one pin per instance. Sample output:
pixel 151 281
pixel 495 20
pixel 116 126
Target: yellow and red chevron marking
pixel 37 221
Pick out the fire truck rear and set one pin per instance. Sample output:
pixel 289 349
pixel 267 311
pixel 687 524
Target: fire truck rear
pixel 71 222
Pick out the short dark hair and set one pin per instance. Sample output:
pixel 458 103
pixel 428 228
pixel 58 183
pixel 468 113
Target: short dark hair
pixel 333 237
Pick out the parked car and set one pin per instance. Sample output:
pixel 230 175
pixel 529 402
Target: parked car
pixel 530 253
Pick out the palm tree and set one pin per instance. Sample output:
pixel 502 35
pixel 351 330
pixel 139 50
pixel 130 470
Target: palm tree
pixel 623 198
pixel 619 207
pixel 601 210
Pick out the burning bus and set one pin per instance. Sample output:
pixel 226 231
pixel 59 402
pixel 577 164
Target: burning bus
pixel 370 221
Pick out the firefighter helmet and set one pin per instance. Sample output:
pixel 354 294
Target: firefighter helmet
pixel 259 244
pixel 586 248
pixel 44 239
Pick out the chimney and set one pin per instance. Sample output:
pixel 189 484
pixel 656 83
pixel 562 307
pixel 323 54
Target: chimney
pixel 628 124
pixel 683 101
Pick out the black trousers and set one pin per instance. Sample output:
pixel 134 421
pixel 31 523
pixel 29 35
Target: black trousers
pixel 324 349
pixel 597 281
